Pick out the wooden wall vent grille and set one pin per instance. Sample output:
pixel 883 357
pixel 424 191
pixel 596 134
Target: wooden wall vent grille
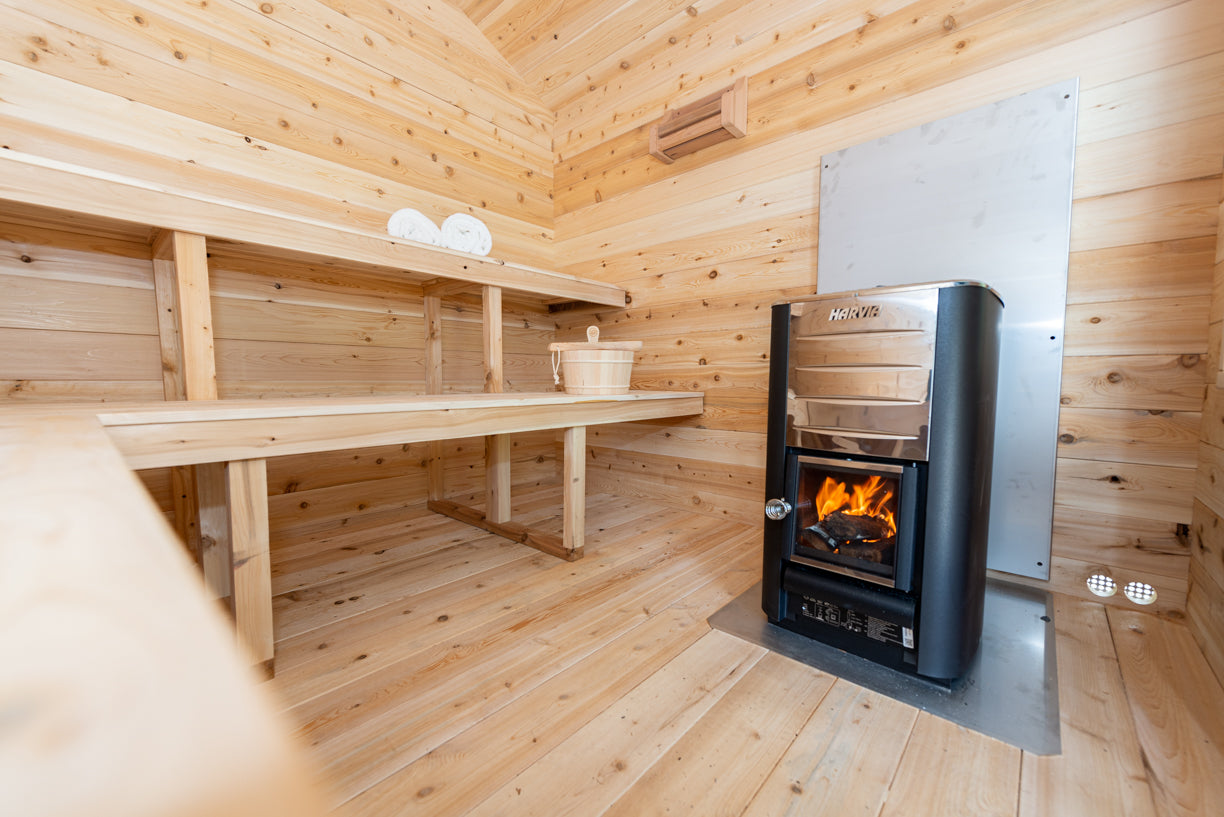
pixel 708 121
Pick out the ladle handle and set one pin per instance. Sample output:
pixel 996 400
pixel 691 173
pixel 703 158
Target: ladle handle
pixel 592 333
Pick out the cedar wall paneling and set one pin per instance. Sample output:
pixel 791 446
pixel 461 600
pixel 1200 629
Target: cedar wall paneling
pixel 333 109
pixel 706 244
pixel 1205 604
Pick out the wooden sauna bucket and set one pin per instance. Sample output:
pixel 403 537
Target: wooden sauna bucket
pixel 594 367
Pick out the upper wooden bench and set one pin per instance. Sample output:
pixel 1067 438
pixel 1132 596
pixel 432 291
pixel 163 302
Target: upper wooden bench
pixel 41 182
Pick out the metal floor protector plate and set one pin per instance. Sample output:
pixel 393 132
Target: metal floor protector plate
pixel 1009 693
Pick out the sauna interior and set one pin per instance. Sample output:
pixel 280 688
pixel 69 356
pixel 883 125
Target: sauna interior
pixel 217 367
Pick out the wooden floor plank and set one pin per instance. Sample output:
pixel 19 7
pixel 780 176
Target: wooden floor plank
pixel 951 771
pixel 396 570
pixel 421 703
pixel 1176 703
pixel 632 734
pixel 368 544
pixel 733 748
pixel 1100 770
pixel 844 759
pixel 537 686
pixel 470 767
pixel 343 652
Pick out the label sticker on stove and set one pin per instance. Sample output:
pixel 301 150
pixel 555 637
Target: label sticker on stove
pixel 845 619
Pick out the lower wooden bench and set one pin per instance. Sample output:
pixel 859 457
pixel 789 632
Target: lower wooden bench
pixel 232 440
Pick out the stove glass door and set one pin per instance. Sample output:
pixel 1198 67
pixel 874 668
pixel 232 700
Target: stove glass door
pixel 853 518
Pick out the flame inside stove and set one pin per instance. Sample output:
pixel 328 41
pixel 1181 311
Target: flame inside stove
pixel 867 498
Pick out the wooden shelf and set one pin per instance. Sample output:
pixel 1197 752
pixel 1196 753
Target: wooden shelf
pixel 74 189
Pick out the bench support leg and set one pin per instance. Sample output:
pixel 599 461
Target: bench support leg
pixel 247 489
pixel 235 551
pixel 569 545
pixel 575 488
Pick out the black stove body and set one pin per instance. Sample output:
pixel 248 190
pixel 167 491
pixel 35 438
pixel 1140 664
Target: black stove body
pixel 880 436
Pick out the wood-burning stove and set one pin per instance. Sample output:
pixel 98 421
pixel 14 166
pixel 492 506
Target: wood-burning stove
pixel 880 433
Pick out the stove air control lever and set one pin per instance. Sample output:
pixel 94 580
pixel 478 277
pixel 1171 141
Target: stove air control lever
pixel 777 509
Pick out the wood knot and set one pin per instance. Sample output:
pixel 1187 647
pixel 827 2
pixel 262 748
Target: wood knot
pixel 1114 377
pixel 1066 439
pixel 949 23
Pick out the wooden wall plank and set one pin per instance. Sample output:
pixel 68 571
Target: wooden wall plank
pixel 981 67
pixel 1166 212
pixel 1142 159
pixel 55 355
pixel 1155 492
pixel 1174 382
pixel 1113 435
pixel 1178 268
pixel 1134 545
pixel 76 391
pixel 37 303
pixel 447 60
pixel 211 66
pixel 1139 326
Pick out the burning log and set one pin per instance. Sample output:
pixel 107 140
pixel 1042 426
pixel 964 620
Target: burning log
pixel 845 527
pixel 867 538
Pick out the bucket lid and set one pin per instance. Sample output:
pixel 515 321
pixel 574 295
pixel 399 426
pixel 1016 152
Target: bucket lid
pixel 593 343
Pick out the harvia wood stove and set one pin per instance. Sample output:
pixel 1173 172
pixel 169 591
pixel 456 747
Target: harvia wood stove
pixel 881 430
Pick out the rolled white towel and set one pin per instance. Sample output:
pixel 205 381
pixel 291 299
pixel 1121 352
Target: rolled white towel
pixel 414 225
pixel 467 233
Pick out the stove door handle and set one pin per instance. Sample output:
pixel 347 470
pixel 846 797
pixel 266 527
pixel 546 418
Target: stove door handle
pixel 777 509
